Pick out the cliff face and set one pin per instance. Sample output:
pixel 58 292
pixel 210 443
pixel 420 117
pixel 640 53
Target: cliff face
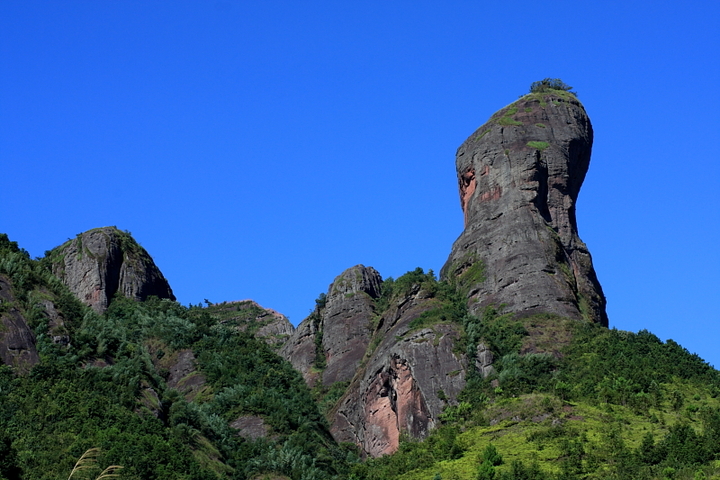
pixel 404 382
pixel 335 337
pixel 101 262
pixel 519 176
pixel 395 372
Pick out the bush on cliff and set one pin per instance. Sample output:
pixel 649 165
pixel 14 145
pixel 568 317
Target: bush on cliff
pixel 550 84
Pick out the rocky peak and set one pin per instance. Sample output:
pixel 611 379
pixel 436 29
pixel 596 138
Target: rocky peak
pixel 329 344
pixel 519 176
pixel 101 262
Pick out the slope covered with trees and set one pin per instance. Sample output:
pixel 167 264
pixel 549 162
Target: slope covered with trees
pixel 108 387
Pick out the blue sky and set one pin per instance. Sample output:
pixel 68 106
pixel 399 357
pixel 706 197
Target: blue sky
pixel 258 149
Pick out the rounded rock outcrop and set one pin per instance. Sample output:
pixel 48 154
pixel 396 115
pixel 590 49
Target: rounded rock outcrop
pixel 102 262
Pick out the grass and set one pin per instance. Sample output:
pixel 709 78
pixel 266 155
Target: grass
pixel 482 135
pixel 507 119
pixel 542 97
pixel 540 125
pixel 538 145
pixel 533 427
pixel 88 461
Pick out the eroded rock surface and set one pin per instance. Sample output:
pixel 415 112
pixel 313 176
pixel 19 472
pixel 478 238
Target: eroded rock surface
pixel 343 324
pixel 404 383
pixel 251 427
pixel 101 262
pixel 519 176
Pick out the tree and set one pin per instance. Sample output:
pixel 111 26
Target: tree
pixel 550 84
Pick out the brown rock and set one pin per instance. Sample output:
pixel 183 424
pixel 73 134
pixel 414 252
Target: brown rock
pixel 104 261
pixel 519 176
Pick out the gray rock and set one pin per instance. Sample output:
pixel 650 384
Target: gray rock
pixel 484 360
pixel 519 176
pixel 17 342
pixel 404 383
pixel 250 427
pixel 345 323
pixel 101 262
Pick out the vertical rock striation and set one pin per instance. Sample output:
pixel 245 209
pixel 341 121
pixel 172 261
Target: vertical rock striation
pixel 519 176
pixel 101 262
pixel 339 331
pixel 404 382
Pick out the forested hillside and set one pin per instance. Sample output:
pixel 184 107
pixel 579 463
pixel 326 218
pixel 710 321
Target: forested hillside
pixel 168 391
pixel 165 391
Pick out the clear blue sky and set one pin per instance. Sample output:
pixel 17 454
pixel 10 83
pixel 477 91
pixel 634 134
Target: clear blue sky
pixel 257 149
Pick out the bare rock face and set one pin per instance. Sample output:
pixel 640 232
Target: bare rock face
pixel 101 262
pixel 519 176
pixel 347 322
pixel 251 427
pixel 17 342
pixel 404 383
pixel 339 331
pixel 300 350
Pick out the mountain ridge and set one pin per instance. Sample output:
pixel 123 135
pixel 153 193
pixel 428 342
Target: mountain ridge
pixel 418 376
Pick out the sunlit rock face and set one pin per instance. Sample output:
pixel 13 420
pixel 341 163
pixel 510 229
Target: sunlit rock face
pixel 405 380
pixel 339 331
pixel 519 176
pixel 102 262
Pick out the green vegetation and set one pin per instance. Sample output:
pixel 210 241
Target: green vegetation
pixel 540 125
pixel 506 119
pixel 567 399
pixel 478 137
pixel 550 84
pixel 110 388
pixel 538 145
pixel 608 405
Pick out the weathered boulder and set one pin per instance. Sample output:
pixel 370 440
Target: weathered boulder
pixel 519 176
pixel 101 262
pixel 404 382
pixel 334 338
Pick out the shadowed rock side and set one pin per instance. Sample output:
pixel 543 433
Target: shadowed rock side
pixel 397 390
pixel 519 176
pixel 17 342
pixel 101 262
pixel 339 331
